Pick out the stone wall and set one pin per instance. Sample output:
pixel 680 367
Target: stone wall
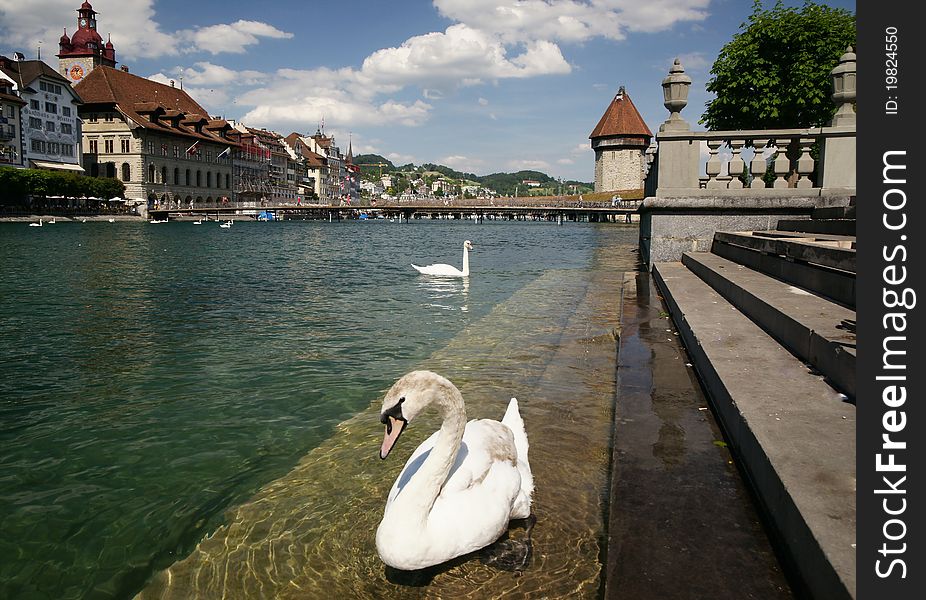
pixel 619 169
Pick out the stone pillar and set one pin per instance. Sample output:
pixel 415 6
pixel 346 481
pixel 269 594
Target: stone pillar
pixel 838 155
pixel 678 158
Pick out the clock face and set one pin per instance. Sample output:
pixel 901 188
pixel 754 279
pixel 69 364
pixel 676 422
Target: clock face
pixel 83 22
pixel 76 72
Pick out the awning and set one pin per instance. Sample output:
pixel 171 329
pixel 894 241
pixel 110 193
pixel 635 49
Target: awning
pixel 41 164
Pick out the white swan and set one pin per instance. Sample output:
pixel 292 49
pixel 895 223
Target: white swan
pixel 39 224
pixel 448 270
pixel 461 487
pixel 226 225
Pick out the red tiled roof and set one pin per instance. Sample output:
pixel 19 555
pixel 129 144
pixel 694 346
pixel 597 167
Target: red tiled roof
pixel 136 96
pixel 312 159
pixel 621 119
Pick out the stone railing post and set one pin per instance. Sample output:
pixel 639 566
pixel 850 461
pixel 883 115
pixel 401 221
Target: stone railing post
pixel 757 165
pixel 838 156
pixel 678 154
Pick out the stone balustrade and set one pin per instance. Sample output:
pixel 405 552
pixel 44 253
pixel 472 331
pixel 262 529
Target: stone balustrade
pixel 700 182
pixel 678 166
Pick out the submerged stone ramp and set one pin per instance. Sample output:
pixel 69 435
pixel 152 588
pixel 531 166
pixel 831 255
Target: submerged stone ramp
pixel 793 434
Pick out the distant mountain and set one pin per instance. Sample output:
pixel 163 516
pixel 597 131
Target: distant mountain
pixel 503 183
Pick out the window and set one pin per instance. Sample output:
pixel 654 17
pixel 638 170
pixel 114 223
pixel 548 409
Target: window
pixel 49 125
pixel 92 118
pixel 150 147
pixel 94 147
pixel 163 149
pixel 188 177
pixel 67 149
pixel 53 148
pixel 176 175
pixel 125 146
pixel 199 178
pixel 66 128
pixel 208 179
pixel 51 107
pixel 151 172
pixel 108 146
pixel 38 146
pixel 227 182
pixel 35 123
pixel 176 151
pixel 66 111
pixel 109 117
pixel 126 172
pixel 49 87
pixel 34 105
pixel 163 174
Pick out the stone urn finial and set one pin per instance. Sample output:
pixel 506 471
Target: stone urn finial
pixel 675 93
pixel 844 89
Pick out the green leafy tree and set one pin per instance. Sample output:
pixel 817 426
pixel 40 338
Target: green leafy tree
pixel 775 73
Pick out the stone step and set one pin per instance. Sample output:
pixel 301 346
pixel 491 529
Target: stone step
pixel 792 434
pixel 837 252
pixel 816 330
pixel 834 212
pixel 836 226
pixel 816 263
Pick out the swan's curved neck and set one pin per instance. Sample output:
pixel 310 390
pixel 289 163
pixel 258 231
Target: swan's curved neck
pixel 465 261
pixel 416 500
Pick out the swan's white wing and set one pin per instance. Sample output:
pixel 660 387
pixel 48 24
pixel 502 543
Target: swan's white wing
pixel 439 269
pixel 485 443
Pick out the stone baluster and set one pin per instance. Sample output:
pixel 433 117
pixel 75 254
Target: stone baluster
pixel 805 164
pixel 781 164
pixel 736 165
pixel 713 166
pixel 757 166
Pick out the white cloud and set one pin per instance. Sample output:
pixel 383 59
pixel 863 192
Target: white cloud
pixel 528 165
pixel 565 161
pixel 570 20
pixel 232 37
pixel 483 102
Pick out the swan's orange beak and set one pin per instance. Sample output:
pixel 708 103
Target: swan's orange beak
pixel 394 428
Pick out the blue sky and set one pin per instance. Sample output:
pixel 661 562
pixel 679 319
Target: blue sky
pixel 479 85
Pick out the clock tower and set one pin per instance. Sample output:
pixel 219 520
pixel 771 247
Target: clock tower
pixel 85 50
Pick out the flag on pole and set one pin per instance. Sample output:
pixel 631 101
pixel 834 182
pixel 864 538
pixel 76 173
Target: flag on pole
pixel 225 152
pixel 194 149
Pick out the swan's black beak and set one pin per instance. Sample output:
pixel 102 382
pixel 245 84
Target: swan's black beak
pixel 395 424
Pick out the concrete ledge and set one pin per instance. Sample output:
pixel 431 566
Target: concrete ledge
pixel 821 252
pixel 816 330
pixel 792 434
pixel 832 226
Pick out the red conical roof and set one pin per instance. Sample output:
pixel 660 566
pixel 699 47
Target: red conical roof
pixel 621 119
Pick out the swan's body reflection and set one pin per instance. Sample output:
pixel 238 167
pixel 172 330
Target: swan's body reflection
pixel 445 293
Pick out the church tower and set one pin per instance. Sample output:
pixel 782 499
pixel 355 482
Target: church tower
pixel 620 140
pixel 85 50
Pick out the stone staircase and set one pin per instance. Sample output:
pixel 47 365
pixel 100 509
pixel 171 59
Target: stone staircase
pixel 768 319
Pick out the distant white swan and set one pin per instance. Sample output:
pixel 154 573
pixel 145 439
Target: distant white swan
pixel 110 220
pixel 461 487
pixel 199 222
pixel 448 270
pixel 39 224
pixel 226 224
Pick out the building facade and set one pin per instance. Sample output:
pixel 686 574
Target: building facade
pixel 156 139
pixel 11 138
pixel 620 140
pixel 50 129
